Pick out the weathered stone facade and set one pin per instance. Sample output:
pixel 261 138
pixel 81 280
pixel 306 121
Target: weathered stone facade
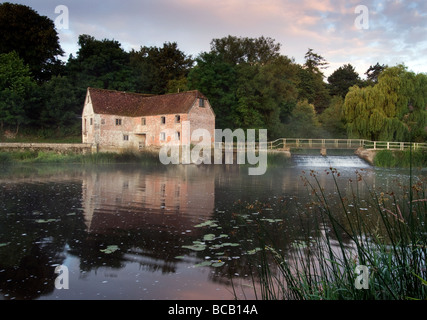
pixel 114 120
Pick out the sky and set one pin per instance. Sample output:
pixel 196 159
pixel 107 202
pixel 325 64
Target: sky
pixel 359 32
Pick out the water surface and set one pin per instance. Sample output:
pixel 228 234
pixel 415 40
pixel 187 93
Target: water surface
pixel 152 216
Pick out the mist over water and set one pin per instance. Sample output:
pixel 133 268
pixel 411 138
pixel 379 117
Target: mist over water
pixel 71 215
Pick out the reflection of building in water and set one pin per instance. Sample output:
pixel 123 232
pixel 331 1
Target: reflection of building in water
pixel 133 198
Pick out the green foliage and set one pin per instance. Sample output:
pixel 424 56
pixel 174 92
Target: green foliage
pixel 312 88
pixel 342 79
pixel 16 85
pixel 32 37
pixel 303 122
pixel 100 64
pixel 401 159
pixel 61 106
pixel 247 82
pixel 160 70
pixel 391 110
pixel 240 50
pixel 332 119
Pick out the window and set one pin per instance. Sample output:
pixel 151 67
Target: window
pixel 201 103
pixel 162 136
pixel 163 120
pixel 118 122
pixel 177 136
pixel 143 121
pixel 125 137
pixel 177 119
pixel 102 121
pixel 91 121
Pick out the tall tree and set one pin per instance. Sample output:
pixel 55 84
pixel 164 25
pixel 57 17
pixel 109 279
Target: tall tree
pixel 237 50
pixel 16 85
pixel 374 72
pixel 101 64
pixel 32 37
pixel 391 110
pixel 342 79
pixel 157 69
pixel 217 79
pixel 311 86
pixel 60 104
pixel 314 62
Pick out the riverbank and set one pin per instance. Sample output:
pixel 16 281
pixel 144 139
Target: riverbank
pixel 28 157
pixel 400 159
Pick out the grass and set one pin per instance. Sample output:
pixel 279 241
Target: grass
pixel 402 159
pixel 341 233
pixel 7 158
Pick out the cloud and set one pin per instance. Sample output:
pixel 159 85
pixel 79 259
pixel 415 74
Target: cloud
pixel 396 30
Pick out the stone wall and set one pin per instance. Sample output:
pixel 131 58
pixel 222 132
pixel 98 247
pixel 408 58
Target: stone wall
pixel 367 155
pixel 78 148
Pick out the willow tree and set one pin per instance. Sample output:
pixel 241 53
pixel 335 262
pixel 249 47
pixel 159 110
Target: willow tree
pixel 392 110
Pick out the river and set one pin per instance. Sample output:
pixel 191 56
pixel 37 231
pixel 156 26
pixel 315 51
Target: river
pixel 128 231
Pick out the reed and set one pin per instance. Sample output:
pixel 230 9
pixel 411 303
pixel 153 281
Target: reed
pixel 389 239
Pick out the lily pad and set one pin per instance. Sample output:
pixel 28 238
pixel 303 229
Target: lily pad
pixel 203 264
pixel 196 247
pixel 209 223
pixel 250 252
pixel 46 220
pixel 229 244
pixel 272 220
pixel 110 249
pixel 218 264
pixel 209 237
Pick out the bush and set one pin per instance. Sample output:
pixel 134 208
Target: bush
pixel 385 159
pixel 403 159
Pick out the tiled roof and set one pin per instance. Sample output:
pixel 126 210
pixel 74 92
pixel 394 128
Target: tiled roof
pixel 139 105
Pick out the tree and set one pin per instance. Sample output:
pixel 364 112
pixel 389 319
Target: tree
pixel 332 119
pixel 16 84
pixel 60 104
pixel 391 110
pixel 237 50
pixel 100 64
pixel 157 70
pixel 217 79
pixel 342 79
pixel 311 86
pixel 32 37
pixel 266 95
pixel 374 72
pixel 314 62
pixel 246 93
pixel 303 121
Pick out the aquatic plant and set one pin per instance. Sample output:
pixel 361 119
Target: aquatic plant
pixel 386 234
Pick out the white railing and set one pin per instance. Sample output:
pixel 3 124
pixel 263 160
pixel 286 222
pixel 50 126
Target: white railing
pixel 304 143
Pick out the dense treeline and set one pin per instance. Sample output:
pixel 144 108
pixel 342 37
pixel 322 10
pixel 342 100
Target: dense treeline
pixel 247 80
